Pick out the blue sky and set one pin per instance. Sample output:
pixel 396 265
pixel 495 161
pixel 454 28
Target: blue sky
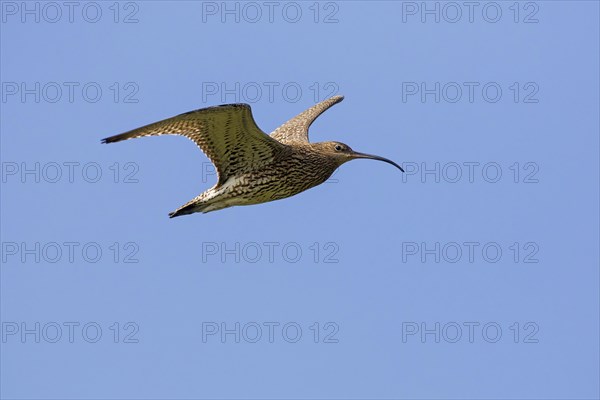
pixel 473 275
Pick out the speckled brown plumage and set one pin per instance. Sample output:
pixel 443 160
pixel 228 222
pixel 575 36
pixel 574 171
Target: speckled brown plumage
pixel 252 166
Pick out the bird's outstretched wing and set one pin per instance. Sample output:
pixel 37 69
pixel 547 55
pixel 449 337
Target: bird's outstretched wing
pixel 296 129
pixel 227 134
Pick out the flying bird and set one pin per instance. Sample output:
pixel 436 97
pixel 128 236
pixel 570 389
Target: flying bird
pixel 253 167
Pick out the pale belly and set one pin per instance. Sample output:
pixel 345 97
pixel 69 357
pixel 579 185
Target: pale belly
pixel 264 186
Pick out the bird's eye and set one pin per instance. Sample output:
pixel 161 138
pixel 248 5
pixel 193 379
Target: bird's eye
pixel 338 147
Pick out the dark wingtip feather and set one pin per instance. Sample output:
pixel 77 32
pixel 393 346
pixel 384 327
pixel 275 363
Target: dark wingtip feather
pixel 117 138
pixel 111 139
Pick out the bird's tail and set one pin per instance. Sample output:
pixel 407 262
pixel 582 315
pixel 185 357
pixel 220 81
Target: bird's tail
pixel 197 205
pixel 185 210
pixel 192 206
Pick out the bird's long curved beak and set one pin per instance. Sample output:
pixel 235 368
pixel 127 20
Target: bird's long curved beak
pixel 373 157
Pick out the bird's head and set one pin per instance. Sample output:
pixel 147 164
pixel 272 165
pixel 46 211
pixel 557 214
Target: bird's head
pixel 342 153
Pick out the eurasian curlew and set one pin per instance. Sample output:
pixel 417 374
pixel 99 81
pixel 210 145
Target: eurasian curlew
pixel 253 167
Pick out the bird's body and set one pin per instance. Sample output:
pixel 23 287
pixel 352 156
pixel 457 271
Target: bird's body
pixel 253 167
pixel 294 170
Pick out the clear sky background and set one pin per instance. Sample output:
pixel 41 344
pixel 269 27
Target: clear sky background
pixel 473 275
